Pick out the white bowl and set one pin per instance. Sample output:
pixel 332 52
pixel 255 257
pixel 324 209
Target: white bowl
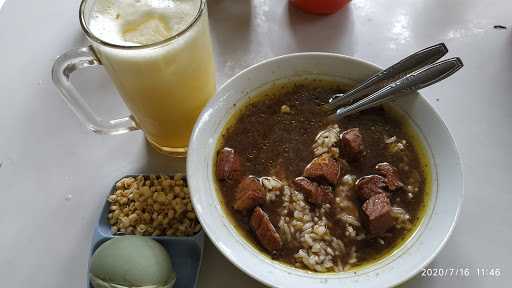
pixel 406 261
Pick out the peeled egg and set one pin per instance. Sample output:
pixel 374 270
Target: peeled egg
pixel 131 261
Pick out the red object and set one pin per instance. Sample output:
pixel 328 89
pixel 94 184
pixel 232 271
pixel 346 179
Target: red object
pixel 319 6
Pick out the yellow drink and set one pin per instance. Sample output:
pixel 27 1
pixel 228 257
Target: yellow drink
pixel 164 82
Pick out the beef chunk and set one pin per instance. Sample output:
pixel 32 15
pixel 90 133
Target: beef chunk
pixel 265 231
pixel 323 195
pixel 305 185
pixel 323 169
pixel 313 192
pixel 228 165
pixel 378 212
pixel 250 193
pixel 391 174
pixel 369 186
pixel 351 144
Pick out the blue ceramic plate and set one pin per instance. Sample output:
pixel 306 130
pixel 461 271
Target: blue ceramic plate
pixel 186 252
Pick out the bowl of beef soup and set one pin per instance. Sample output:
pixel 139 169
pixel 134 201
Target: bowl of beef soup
pixel 292 198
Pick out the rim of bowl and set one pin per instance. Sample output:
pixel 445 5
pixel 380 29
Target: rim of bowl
pixel 205 110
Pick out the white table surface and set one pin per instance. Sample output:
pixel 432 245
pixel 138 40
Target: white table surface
pixel 54 174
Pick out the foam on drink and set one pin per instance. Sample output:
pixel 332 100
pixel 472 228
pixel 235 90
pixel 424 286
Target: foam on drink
pixel 140 22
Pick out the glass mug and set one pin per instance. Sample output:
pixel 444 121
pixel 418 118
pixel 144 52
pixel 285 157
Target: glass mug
pixel 164 84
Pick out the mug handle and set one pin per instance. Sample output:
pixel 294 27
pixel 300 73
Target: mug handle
pixel 62 69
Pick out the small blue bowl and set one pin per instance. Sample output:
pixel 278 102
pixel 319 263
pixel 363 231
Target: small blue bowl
pixel 186 252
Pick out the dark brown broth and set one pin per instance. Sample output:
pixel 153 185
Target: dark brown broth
pixel 272 143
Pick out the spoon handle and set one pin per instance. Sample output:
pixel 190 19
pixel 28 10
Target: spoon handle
pixel 411 63
pixel 410 83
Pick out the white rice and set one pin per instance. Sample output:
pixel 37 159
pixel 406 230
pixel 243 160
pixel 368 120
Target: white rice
pixel 309 228
pixel 326 140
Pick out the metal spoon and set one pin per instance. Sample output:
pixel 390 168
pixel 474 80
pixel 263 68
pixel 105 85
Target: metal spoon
pixel 414 81
pixel 409 64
